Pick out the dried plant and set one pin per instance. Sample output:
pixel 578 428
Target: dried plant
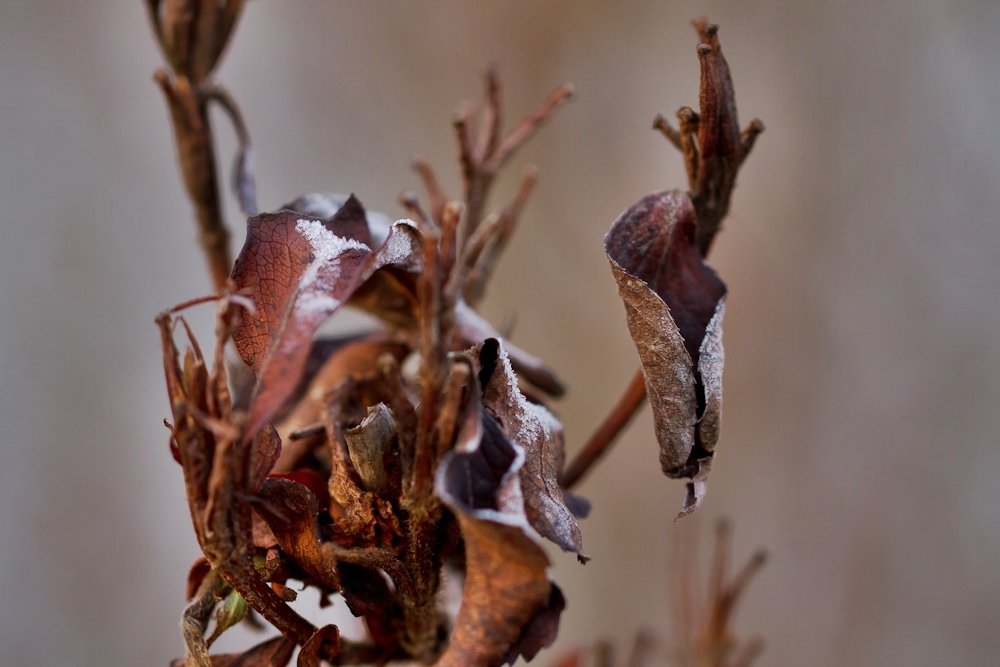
pixel 702 620
pixel 368 466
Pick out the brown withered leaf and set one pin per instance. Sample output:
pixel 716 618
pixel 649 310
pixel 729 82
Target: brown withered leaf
pixel 674 305
pixel 540 435
pixel 506 585
pixel 272 653
pixel 298 271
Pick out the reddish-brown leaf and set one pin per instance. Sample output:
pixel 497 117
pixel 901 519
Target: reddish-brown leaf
pixel 298 271
pixel 327 204
pixel 674 305
pixel 537 431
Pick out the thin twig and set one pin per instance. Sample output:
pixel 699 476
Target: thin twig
pixel 527 126
pixel 606 434
pixel 193 136
pixel 435 194
pixel 663 125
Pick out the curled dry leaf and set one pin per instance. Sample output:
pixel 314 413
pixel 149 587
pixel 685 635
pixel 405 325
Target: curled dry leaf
pixel 506 585
pixel 540 435
pixel 298 271
pixel 674 305
pixel 509 606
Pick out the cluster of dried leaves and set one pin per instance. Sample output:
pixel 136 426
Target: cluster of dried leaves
pixel 369 466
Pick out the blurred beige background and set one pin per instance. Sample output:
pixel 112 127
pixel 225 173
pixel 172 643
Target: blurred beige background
pixel 859 441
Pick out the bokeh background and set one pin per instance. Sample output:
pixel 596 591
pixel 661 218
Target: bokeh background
pixel 860 430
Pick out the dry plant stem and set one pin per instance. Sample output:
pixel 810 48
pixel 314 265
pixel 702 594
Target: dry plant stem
pixel 606 434
pixel 723 594
pixel 193 34
pixel 242 182
pixel 435 194
pixel 193 134
pixel 421 559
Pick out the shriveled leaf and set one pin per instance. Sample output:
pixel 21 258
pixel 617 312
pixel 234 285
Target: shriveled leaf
pixel 674 305
pixel 298 271
pixel 325 641
pixel 312 480
pixel 272 653
pixel 711 141
pixel 505 587
pixel 506 584
pixel 540 435
pixel 718 125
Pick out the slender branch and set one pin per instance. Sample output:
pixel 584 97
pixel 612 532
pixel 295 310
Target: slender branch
pixel 667 130
pixel 527 126
pixel 193 136
pixel 434 192
pixel 606 434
